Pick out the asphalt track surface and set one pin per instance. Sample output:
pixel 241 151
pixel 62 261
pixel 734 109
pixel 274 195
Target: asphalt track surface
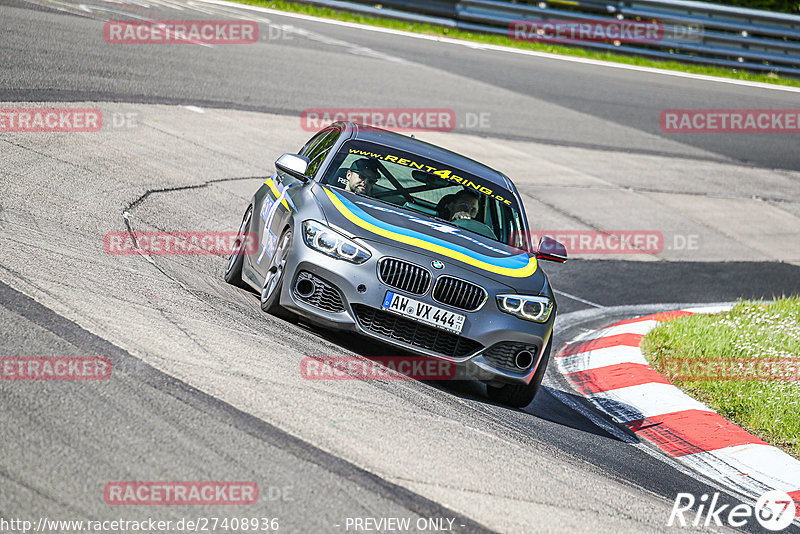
pixel 212 393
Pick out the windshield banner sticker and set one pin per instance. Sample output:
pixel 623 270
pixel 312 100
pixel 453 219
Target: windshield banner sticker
pixel 446 174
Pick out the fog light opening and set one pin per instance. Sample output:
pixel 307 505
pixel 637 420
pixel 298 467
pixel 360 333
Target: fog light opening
pixel 305 287
pixel 524 359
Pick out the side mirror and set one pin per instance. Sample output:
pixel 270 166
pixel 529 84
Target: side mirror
pixel 551 250
pixel 293 165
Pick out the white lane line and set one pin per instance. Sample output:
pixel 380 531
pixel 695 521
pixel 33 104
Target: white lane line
pixel 573 297
pixel 506 49
pixel 352 48
pixel 84 10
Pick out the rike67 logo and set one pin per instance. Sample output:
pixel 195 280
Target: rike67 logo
pixel 775 510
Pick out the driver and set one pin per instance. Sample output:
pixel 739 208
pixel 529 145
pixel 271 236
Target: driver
pixel 361 176
pixel 464 205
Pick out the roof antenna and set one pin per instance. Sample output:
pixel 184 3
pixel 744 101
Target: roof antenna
pixel 412 136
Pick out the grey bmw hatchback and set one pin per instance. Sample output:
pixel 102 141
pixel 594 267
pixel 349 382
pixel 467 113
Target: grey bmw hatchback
pixel 399 240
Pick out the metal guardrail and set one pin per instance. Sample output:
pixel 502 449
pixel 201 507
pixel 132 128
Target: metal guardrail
pixel 694 32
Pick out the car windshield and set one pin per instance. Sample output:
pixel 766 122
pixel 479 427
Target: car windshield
pixel 431 188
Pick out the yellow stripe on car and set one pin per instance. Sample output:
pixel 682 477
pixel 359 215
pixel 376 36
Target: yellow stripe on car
pixel 520 272
pixel 277 193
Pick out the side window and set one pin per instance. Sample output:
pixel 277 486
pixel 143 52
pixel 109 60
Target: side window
pixel 313 141
pixel 496 220
pixel 318 152
pixel 520 238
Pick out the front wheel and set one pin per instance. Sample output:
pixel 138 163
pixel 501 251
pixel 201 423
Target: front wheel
pixel 519 396
pixel 273 281
pixel 233 270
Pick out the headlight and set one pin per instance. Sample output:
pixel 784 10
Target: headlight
pixel 528 307
pixel 328 241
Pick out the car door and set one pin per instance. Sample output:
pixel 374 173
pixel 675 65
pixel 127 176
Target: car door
pixel 278 202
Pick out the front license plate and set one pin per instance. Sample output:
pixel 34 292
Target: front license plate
pixel 422 312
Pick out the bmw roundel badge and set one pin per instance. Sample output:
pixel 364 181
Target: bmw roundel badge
pixel 436 264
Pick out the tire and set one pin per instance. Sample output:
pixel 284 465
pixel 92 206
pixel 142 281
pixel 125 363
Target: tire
pixel 519 396
pixel 233 270
pixel 273 281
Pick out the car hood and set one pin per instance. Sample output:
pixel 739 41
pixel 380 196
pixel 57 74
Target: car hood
pixel 377 221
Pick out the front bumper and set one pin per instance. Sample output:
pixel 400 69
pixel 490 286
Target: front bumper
pixel 353 303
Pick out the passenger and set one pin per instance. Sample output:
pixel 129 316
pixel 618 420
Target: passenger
pixel 464 205
pixel 443 206
pixel 361 176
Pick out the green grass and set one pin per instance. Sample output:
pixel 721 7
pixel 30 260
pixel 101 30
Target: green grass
pixel 442 31
pixel 752 330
